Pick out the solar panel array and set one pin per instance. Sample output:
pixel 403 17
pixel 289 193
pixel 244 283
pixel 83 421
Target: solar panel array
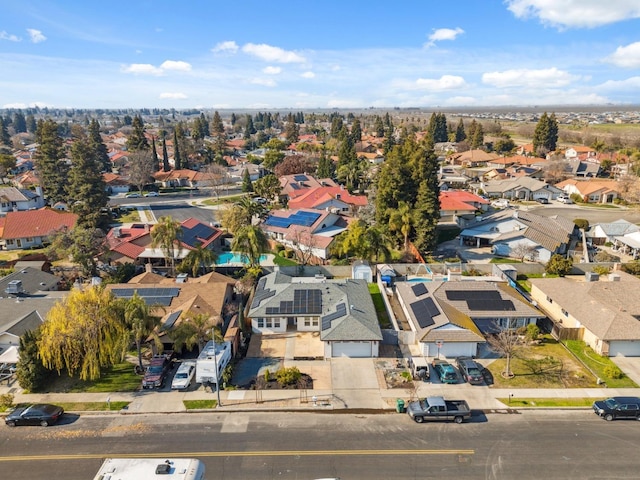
pixel 419 289
pixel 171 320
pixel 465 295
pixel 424 311
pixel 304 219
pixel 191 236
pixel 491 305
pixel 305 302
pixel 341 311
pixel 151 296
pixel 300 178
pixel 261 295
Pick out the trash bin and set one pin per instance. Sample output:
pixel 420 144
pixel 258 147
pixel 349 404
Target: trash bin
pixel 400 405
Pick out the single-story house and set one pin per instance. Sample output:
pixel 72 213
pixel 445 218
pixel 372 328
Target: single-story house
pixel 592 191
pixel 341 311
pixel 520 188
pixel 601 233
pixel 14 199
pixel 602 311
pixel 333 199
pixel 32 228
pixel 460 202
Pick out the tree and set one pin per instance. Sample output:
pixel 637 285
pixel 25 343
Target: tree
pixel 30 371
pixel 137 140
pixel 19 122
pixel 378 244
pixel 247 184
pixel 97 146
pixel 166 234
pixel 427 205
pixel 522 250
pixel 141 169
pixel 5 138
pixel 84 333
pixel 506 342
pixel 545 136
pixel 177 159
pixel 86 188
pixel 85 246
pixel 31 124
pixel 154 154
pixel 394 184
pixel 460 134
pixel 165 157
pixel 558 265
pixel 438 127
pixel 141 324
pixel 200 258
pixel 352 242
pixel 402 220
pixel 251 242
pixel 50 161
pixel 291 165
pixel 326 167
pixel 7 164
pixel 267 187
pixel 196 330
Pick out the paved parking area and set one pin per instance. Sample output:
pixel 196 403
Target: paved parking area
pixel 630 366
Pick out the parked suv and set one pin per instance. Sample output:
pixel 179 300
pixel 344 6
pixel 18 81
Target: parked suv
pixel 445 371
pixel 156 373
pixel 618 407
pixel 565 199
pixel 470 370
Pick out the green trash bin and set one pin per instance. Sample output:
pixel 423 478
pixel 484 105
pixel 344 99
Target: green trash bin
pixel 400 405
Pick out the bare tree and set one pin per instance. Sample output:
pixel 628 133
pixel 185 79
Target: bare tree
pixel 141 168
pixel 556 171
pixel 507 343
pixel 218 178
pixel 524 250
pixel 303 243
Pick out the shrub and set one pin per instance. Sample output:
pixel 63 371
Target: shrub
pixel 601 270
pixel 582 223
pixel 632 268
pixel 558 265
pixel 6 401
pixel 288 376
pixel 267 375
pixel 613 372
pixel 532 332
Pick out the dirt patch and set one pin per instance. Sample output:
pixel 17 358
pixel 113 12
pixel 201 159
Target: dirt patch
pixel 305 382
pixel 398 378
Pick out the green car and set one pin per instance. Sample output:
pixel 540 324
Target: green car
pixel 445 371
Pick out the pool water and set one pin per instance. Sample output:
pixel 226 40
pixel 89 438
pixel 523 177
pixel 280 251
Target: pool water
pixel 234 257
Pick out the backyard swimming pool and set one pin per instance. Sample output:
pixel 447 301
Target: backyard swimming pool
pixel 235 258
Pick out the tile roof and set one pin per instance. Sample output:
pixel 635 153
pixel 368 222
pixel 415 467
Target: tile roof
pixel 314 196
pixel 37 223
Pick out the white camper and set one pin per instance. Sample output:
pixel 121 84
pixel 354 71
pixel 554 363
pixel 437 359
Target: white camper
pixel 212 355
pixel 151 468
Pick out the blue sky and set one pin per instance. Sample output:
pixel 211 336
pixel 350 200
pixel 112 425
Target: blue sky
pixel 329 54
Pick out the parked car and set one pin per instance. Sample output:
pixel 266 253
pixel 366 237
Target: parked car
pixel 500 203
pixel 132 195
pixel 565 199
pixel 437 408
pixel 445 371
pixel 151 194
pixel 184 376
pixel 421 368
pixel 470 370
pixel 618 407
pixel 156 373
pixel 543 200
pixel 42 414
pixel 260 200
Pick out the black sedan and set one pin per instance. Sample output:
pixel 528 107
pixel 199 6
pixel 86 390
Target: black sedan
pixel 40 414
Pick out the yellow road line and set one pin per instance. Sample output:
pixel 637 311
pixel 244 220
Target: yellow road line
pixel 281 453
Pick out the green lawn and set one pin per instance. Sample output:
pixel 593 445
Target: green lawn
pixel 504 260
pixel 119 378
pixel 199 404
pixel 546 402
pixel 378 302
pixel 223 200
pixel 92 406
pixel 598 364
pixel 132 216
pixel 283 261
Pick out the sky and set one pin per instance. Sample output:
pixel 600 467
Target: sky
pixel 311 55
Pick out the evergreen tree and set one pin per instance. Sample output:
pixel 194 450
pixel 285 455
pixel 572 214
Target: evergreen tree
pixel 477 140
pixel 19 122
pixel 137 140
pixel 460 133
pixel 438 127
pixel 356 131
pixel 394 184
pixel 5 138
pixel 249 129
pixel 165 157
pixel 30 372
pixel 154 154
pixel 247 185
pixel 326 168
pixel 427 206
pixel 217 127
pixel 176 151
pixel 50 161
pixel 86 189
pixel 292 131
pixel 98 147
pixel 545 136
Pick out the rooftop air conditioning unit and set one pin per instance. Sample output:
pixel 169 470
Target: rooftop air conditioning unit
pixel 14 287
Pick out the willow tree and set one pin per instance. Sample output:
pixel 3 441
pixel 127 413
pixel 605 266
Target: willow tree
pixel 84 333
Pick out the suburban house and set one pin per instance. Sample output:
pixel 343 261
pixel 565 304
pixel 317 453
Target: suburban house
pixel 601 233
pixel 451 177
pixel 332 199
pixel 521 188
pixel 187 178
pixel 580 152
pixel 451 318
pixel 293 186
pixel 460 202
pixel 236 172
pixel 32 228
pixel 471 158
pixel 115 183
pixel 308 232
pixel 341 311
pixel 520 234
pixel 592 191
pixel 176 300
pixel 602 311
pixel 579 168
pixel 14 199
pixel 133 244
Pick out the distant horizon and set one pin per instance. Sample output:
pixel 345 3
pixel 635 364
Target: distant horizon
pixel 354 55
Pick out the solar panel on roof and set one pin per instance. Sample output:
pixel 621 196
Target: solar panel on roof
pixel 487 305
pixel 341 310
pixel 307 301
pixel 261 295
pixel 300 178
pixel 164 301
pixel 424 311
pixel 464 295
pixel 171 320
pixel 419 289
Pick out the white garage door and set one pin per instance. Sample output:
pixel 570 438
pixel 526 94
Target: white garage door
pixel 452 349
pixel 628 349
pixel 351 349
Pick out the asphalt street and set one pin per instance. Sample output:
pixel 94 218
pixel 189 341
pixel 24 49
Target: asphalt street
pixel 559 444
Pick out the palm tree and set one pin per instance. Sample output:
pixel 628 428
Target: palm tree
pixel 194 330
pixel 249 209
pixel 401 220
pixel 251 242
pixel 141 324
pixel 166 234
pixel 378 244
pixel 199 257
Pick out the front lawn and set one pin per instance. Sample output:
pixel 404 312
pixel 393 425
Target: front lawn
pixel 603 367
pixel 516 402
pixel 199 404
pixel 504 260
pixel 282 261
pixel 547 365
pixel 92 406
pixel 378 302
pixel 119 378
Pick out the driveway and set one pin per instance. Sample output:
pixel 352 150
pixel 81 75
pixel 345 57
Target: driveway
pixel 630 366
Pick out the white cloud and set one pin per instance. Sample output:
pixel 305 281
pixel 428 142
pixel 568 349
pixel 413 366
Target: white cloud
pixel 272 70
pixel 627 57
pixel 142 69
pixel 445 82
pixel 9 36
pixel 173 95
pixel 272 54
pixel 228 46
pixel 575 13
pixel 25 105
pixel 36 35
pixel 543 78
pixel 265 82
pixel 630 84
pixel 308 75
pixel 443 34
pixel 177 66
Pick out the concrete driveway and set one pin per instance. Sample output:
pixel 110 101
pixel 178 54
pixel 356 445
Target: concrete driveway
pixel 630 366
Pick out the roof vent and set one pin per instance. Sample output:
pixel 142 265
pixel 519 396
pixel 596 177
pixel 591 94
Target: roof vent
pixel 591 277
pixel 614 277
pixel 164 468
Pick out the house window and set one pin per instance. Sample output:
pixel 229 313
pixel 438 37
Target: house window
pixel 565 313
pixel 261 323
pixel 269 322
pixel 29 239
pixel 276 323
pixel 549 299
pixel 311 321
pixel 10 242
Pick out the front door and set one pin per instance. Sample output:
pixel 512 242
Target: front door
pixel 291 323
